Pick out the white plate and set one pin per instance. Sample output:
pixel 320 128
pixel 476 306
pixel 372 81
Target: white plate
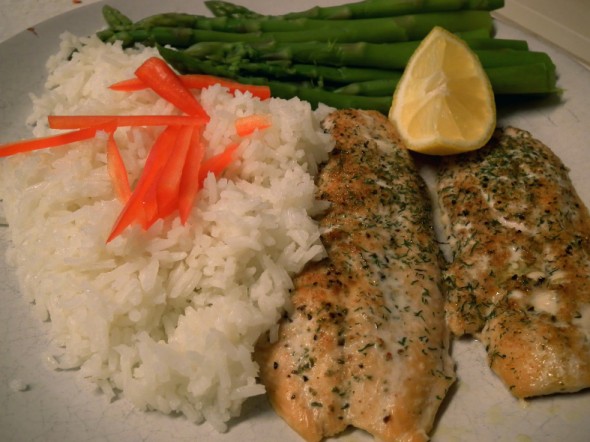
pixel 59 406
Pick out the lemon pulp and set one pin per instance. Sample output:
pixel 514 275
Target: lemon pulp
pixel 444 103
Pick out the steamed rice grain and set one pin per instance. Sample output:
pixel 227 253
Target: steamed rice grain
pixel 167 317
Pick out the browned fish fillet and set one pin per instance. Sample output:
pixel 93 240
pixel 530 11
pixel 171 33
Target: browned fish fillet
pixel 520 277
pixel 366 344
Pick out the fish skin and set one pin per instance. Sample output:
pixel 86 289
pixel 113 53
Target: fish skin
pixel 366 344
pixel 520 275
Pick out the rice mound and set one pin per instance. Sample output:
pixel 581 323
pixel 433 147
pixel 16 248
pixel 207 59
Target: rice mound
pixel 166 318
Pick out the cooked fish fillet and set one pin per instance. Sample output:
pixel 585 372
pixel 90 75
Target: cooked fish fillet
pixel 366 344
pixel 520 277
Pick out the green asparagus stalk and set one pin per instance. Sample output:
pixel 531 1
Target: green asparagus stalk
pixel 178 29
pixel 378 30
pixel 377 87
pixel 316 95
pixel 522 80
pixel 392 56
pixel 228 24
pixel 535 78
pixel 274 24
pixel 317 74
pixel 362 9
pixel 115 18
pixel 227 9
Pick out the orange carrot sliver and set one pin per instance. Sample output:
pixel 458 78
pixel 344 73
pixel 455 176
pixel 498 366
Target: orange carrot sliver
pixel 130 85
pixel 117 170
pixel 189 183
pixel 82 121
pixel 199 81
pixel 139 207
pixel 55 140
pixel 150 206
pixel 248 124
pixel 156 74
pixel 218 163
pixel 259 91
pixel 168 186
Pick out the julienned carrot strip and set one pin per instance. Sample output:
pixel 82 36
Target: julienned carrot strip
pixel 189 183
pixel 55 140
pixel 117 170
pixel 168 185
pixel 138 207
pixel 248 124
pixel 193 81
pixel 130 85
pixel 161 199
pixel 155 73
pixel 82 121
pixel 153 167
pixel 218 163
pixel 150 206
pixel 198 81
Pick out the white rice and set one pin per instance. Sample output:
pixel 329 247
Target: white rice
pixel 166 318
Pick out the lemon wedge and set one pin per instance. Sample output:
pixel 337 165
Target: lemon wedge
pixel 444 103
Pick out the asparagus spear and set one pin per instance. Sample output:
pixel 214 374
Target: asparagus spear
pixel 235 18
pixel 318 74
pixel 536 78
pixel 227 9
pixel 115 18
pixel 378 30
pixel 392 56
pixel 377 87
pixel 279 24
pixel 316 95
pixel 362 9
